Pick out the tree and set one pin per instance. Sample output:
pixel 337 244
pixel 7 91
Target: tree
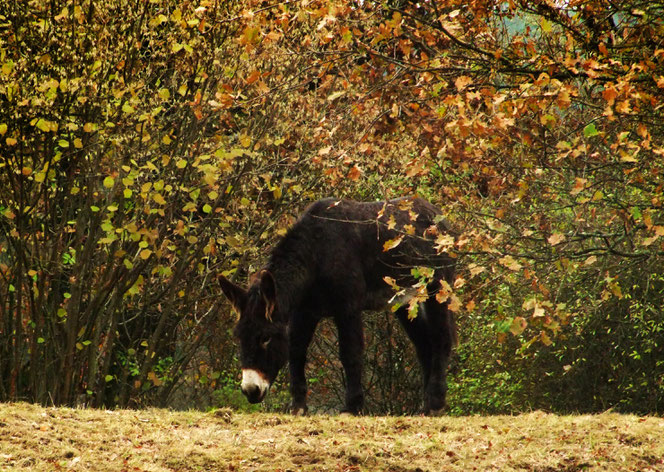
pixel 147 147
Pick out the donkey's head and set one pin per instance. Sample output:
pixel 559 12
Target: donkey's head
pixel 261 332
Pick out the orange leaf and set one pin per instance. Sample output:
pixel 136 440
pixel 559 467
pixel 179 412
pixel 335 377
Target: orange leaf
pixel 354 173
pixel 253 77
pixel 462 82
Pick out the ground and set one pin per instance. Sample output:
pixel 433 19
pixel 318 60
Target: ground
pixel 40 439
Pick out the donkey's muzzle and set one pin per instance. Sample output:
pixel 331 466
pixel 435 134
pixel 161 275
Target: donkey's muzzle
pixel 254 385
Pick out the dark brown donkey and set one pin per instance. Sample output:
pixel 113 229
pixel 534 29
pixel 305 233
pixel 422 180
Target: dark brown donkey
pixel 333 262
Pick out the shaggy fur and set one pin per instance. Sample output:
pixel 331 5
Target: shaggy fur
pixel 333 263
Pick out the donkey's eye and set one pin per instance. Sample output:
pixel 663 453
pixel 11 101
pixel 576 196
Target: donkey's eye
pixel 265 341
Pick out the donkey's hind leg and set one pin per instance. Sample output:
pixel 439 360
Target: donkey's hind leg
pixel 417 331
pixel 440 327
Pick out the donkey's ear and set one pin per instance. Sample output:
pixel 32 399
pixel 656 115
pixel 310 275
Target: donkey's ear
pixel 269 292
pixel 236 294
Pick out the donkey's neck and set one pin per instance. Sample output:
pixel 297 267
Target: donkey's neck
pixel 291 265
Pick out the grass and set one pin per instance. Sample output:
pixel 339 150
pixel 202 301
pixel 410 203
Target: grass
pixel 46 439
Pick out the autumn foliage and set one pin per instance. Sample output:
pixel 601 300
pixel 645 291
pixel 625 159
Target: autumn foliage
pixel 147 146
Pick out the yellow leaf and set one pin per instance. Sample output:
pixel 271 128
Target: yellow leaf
pixel 157 197
pixel 556 238
pixel 590 261
pixel 518 325
pixel 43 125
pixel 510 263
pixel 462 82
pixel 392 243
pixel 3 129
pixel 145 253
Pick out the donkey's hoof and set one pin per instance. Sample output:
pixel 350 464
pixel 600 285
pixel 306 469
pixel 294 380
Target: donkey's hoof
pixel 435 413
pixel 299 411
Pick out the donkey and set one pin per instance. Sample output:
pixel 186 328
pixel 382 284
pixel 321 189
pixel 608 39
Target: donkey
pixel 337 260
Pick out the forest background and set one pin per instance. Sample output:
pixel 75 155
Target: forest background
pixel 147 146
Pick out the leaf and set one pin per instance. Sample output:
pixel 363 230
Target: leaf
pixel 145 254
pixel 518 325
pixel 510 263
pixel 545 25
pixel 109 182
pixel 43 125
pixel 3 129
pixel 590 261
pixel 392 243
pixel 556 238
pixel 253 77
pixel 354 173
pixel 579 185
pixel 462 82
pixel 335 95
pixel 589 131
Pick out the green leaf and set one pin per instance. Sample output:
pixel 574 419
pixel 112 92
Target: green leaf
pixel 590 131
pixel 108 378
pixel 109 182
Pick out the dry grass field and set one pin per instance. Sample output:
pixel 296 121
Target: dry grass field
pixel 52 439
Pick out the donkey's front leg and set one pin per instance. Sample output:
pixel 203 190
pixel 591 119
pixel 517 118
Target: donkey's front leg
pixel 300 332
pixel 351 347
